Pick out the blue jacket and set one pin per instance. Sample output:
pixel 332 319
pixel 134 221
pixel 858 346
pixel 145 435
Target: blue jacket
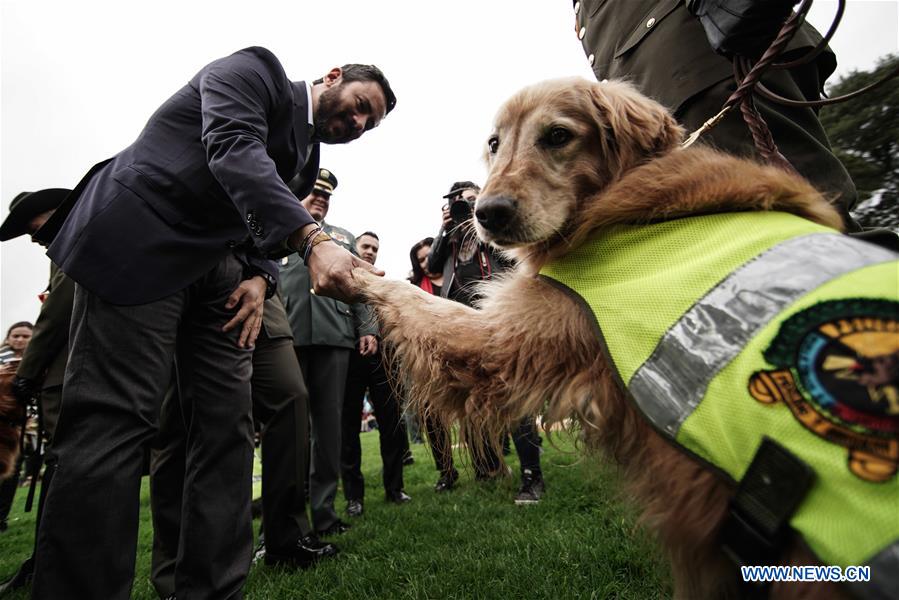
pixel 205 178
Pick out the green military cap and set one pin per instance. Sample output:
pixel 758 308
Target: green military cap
pixel 325 182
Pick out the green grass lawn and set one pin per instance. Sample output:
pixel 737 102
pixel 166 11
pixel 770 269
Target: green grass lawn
pixel 473 542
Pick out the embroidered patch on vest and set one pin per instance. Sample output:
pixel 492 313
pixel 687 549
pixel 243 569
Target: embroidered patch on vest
pixel 838 372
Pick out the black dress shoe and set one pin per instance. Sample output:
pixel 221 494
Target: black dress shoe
pixel 337 527
pixel 399 497
pixel 446 481
pixel 306 552
pixel 354 508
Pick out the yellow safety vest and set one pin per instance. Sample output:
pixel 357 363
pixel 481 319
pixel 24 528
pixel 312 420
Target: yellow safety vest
pixel 732 327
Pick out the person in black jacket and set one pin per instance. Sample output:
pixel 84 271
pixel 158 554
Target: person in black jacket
pixel 40 373
pixel 169 243
pixel 367 372
pixel 465 261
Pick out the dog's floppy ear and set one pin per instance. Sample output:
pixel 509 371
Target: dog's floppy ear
pixel 637 128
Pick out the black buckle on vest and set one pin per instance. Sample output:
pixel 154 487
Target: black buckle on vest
pixel 769 493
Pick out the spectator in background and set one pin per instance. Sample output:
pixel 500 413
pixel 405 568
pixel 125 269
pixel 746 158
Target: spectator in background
pixel 43 365
pixel 426 280
pixel 367 371
pixel 465 262
pixel 17 337
pixel 325 332
pixel 14 344
pixel 456 253
pixel 431 283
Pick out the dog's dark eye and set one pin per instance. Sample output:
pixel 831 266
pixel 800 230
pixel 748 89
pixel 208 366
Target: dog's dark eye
pixel 493 144
pixel 556 137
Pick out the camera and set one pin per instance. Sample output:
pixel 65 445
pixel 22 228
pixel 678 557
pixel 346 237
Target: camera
pixel 460 209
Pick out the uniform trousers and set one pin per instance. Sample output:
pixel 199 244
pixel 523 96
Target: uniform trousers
pixel 324 370
pixel 280 407
pixel 119 368
pixel 367 372
pixel 798 133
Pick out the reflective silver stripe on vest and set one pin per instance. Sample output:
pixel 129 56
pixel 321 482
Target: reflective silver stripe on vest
pixel 884 575
pixel 673 380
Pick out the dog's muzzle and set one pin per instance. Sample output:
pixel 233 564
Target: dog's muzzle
pixel 496 214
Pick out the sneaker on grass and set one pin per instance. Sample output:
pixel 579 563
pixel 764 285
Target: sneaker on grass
pixel 531 488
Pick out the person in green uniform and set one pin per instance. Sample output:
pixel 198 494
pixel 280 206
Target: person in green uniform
pixel 661 47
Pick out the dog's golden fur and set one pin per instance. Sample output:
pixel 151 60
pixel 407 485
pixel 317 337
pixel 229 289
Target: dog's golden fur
pixel 11 415
pixel 529 349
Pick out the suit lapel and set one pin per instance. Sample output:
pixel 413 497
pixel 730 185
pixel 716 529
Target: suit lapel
pixel 308 173
pixel 307 153
pixel 300 121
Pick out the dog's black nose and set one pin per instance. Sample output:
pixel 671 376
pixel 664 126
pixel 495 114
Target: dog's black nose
pixel 495 212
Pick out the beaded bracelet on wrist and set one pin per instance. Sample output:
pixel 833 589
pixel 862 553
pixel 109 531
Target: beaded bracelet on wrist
pixel 320 237
pixel 305 243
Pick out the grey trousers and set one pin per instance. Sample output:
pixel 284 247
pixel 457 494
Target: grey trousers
pixel 324 369
pixel 280 406
pixel 118 371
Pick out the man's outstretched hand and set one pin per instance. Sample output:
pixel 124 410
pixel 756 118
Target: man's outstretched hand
pixel 331 271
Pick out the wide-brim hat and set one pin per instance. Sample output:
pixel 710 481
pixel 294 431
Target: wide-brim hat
pixel 26 206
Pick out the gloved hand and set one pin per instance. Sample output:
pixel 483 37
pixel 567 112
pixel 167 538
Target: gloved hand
pixel 24 389
pixel 744 27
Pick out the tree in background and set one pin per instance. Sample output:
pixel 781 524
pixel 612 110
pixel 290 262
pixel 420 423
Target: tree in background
pixel 864 133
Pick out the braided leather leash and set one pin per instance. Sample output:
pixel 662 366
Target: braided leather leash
pixel 748 76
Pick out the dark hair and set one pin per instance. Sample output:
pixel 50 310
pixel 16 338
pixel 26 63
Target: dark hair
pixel 369 234
pixel 17 325
pixel 357 72
pixel 461 186
pixel 417 272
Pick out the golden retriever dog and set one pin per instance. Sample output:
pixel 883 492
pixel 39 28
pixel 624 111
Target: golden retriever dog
pixel 566 158
pixel 12 413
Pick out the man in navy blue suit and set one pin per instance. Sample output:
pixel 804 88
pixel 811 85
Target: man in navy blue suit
pixel 170 245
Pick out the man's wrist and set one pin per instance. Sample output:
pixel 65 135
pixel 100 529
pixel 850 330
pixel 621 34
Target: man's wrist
pixel 271 284
pixel 319 238
pixel 295 241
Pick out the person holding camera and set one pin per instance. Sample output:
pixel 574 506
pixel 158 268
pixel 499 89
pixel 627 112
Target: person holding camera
pixel 465 261
pixel 458 253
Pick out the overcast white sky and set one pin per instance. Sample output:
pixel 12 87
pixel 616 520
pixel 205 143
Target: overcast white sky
pixel 79 79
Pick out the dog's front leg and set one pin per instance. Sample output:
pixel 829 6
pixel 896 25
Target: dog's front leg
pixel 437 343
